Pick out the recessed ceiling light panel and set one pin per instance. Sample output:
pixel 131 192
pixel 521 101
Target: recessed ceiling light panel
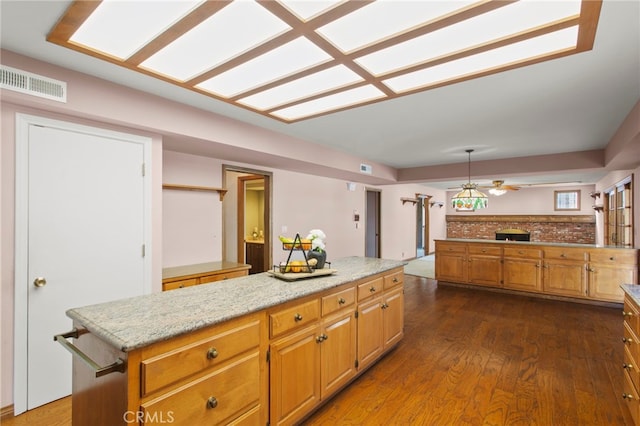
pixel 543 45
pixel 382 19
pixel 302 88
pixel 328 103
pixel 123 18
pixel 286 59
pixel 236 28
pixel 487 27
pixel 308 9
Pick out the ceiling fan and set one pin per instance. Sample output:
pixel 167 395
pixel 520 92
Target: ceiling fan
pixel 499 188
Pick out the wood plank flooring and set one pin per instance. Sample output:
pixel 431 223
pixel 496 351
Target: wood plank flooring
pixel 471 357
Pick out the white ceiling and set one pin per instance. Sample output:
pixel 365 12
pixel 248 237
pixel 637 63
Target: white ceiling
pixel 575 103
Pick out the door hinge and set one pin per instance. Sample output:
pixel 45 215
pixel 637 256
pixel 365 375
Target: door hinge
pixel 356 363
pixel 143 169
pixel 356 314
pixel 144 249
pixel 268 357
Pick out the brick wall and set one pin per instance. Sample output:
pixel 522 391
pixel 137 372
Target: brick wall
pixel 547 229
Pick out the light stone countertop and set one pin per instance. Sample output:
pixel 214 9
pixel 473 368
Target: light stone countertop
pixel 135 322
pixel 633 290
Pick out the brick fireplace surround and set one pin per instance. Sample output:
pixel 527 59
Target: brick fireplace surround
pixel 576 229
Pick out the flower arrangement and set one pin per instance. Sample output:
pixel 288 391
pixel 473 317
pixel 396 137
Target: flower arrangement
pixel 317 238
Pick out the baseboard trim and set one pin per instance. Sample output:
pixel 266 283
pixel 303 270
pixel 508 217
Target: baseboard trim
pixel 6 413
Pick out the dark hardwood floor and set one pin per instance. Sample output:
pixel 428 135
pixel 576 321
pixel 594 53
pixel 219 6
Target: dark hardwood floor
pixel 473 357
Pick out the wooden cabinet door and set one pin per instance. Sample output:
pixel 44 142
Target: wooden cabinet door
pixel 605 281
pixel 565 278
pixel 337 352
pixel 451 267
pixel 522 274
pixel 485 270
pixel 370 339
pixel 393 316
pixel 294 376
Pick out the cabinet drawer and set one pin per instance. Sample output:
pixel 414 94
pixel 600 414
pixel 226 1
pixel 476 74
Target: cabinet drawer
pixel 451 247
pixel 220 277
pixel 631 342
pixel 630 395
pixel 214 399
pixel 393 280
pixel 565 254
pixel 631 315
pixel 631 367
pixel 165 369
pixel 338 300
pixel 485 250
pixel 294 317
pixel 522 252
pixel 615 257
pixel 370 288
pixel 172 285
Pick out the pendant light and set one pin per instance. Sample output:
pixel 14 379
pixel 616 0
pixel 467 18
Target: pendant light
pixel 469 199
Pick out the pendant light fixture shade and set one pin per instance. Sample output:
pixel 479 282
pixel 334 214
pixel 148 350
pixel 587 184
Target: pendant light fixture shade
pixel 469 199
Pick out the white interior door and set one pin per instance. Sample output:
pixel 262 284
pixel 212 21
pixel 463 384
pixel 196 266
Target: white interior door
pixel 85 234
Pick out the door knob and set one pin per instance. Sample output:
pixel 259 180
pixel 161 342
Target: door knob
pixel 40 282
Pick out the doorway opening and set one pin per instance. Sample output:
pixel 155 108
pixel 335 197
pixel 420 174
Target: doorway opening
pixel 422 225
pixel 246 235
pixel 372 224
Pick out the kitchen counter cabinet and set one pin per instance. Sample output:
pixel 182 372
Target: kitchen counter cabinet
pixel 251 350
pixel 201 273
pixel 255 256
pixel 630 339
pixel 577 271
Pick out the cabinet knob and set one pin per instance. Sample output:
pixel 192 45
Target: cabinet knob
pixel 627 396
pixel 627 314
pixel 212 353
pixel 384 306
pixel 298 317
pixel 321 338
pixel 341 301
pixel 627 366
pixel 395 279
pixel 212 402
pixel 372 289
pixel 626 340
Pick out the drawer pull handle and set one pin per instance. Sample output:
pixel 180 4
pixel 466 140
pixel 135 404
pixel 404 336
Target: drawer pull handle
pixel 298 317
pixel 626 340
pixel 384 306
pixel 341 301
pixel 612 258
pixel 372 289
pixel 321 338
pixel 395 279
pixel 627 366
pixel 627 396
pixel 212 353
pixel 563 255
pixel 212 402
pixel 627 314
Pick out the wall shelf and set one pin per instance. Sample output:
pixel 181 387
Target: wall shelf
pixel 220 191
pixel 409 200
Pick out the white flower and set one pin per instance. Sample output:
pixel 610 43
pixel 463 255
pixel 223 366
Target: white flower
pixel 317 239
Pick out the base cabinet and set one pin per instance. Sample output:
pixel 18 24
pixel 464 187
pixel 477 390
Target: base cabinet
pixel 563 270
pixel 631 342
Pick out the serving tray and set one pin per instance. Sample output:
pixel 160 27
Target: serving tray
pixel 296 276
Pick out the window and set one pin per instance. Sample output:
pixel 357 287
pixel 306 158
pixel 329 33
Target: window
pixel 567 200
pixel 619 214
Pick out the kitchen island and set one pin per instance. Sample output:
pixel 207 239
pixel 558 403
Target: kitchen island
pixel 241 351
pixel 577 272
